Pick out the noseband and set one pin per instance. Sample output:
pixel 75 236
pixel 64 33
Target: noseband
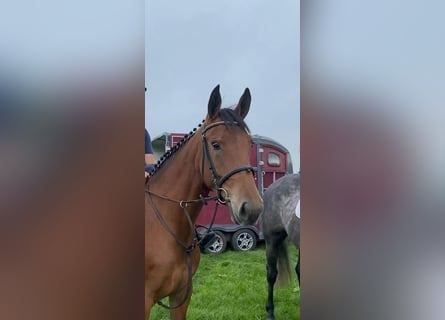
pixel 217 180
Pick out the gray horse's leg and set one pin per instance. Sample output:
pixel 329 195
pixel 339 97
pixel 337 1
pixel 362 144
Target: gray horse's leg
pixel 272 273
pixel 275 249
pixel 297 268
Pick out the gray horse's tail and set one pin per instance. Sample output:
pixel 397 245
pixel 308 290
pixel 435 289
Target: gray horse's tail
pixel 283 266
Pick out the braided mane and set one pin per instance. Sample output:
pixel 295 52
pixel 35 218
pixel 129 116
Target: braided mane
pixel 227 115
pixel 168 154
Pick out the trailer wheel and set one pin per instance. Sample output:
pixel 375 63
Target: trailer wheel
pixel 219 245
pixel 244 240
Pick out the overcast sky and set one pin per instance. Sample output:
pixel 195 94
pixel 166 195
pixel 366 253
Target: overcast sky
pixel 191 46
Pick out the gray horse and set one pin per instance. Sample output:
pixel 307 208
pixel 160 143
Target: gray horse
pixel 280 224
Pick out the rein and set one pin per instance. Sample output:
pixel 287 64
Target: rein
pixel 221 196
pixel 188 249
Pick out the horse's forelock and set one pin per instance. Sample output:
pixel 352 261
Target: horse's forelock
pixel 229 115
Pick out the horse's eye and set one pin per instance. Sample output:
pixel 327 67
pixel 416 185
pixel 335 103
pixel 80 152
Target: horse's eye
pixel 216 145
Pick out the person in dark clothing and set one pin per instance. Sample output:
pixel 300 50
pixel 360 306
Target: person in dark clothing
pixel 149 159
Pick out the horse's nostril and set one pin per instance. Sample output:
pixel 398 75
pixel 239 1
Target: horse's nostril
pixel 248 213
pixel 244 210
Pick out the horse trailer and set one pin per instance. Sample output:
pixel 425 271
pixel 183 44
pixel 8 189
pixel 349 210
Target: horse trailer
pixel 272 161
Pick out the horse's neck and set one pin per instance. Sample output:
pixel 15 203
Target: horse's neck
pixel 180 178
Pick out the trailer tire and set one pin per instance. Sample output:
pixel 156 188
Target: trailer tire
pixel 219 245
pixel 244 240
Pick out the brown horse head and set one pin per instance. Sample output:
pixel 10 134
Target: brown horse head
pixel 227 142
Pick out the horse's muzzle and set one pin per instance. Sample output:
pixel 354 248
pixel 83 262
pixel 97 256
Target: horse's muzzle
pixel 248 213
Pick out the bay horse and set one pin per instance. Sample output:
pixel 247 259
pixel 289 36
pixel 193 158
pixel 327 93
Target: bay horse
pixel 215 156
pixel 280 224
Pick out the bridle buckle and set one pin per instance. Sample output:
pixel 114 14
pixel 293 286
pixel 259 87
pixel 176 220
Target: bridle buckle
pixel 222 199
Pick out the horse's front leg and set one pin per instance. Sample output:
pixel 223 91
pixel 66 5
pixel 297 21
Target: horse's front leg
pixel 148 304
pixel 297 268
pixel 177 298
pixel 179 313
pixel 272 273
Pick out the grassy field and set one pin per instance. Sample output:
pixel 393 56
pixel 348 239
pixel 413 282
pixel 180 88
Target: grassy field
pixel 233 286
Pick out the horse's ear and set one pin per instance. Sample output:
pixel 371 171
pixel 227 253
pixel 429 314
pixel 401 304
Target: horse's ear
pixel 214 103
pixel 243 105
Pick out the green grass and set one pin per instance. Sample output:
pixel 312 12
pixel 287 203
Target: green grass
pixel 233 286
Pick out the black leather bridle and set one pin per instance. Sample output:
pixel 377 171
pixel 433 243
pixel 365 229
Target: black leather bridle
pixel 218 182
